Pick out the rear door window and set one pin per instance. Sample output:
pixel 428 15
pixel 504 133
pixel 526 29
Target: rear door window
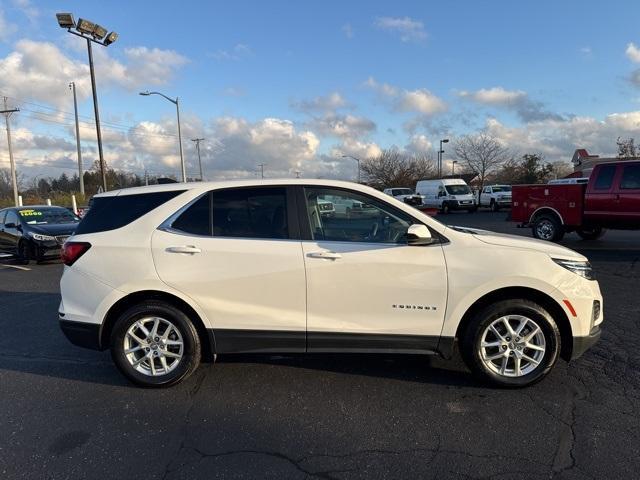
pixel 253 212
pixel 630 178
pixel 110 213
pixel 196 219
pixel 605 177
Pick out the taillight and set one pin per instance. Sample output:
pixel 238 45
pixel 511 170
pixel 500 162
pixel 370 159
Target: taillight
pixel 72 251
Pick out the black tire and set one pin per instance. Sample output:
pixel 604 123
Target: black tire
pixel 23 253
pixel 591 233
pixel 471 339
pixel 191 344
pixel 494 206
pixel 472 210
pixel 548 227
pixel 445 208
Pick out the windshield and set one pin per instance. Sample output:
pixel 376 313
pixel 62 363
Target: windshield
pixel 44 216
pixel 502 188
pixel 457 189
pixel 402 191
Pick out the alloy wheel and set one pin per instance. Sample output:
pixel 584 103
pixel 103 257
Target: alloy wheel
pixel 512 346
pixel 153 346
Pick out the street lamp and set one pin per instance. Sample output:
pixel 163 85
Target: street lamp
pixel 92 33
pixel 453 167
pixel 176 102
pixel 440 152
pixel 357 160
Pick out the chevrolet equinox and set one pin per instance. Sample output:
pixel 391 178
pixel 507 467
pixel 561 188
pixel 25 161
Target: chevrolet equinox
pixel 166 275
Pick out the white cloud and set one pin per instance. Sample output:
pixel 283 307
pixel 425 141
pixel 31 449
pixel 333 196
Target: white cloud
pixel 347 29
pixel 421 101
pixel 27 8
pixel 517 100
pixel 494 96
pixel 633 52
pixel 327 103
pixel 558 138
pixel 40 71
pixel 410 30
pixel 586 51
pixel 238 52
pixel 419 144
pixel 356 148
pixel 343 126
pixel 6 28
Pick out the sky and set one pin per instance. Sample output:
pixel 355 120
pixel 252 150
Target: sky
pixel 297 85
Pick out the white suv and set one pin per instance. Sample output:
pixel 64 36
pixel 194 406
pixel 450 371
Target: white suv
pixel 167 275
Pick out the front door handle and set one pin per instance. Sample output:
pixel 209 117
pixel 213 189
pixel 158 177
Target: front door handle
pixel 325 255
pixel 189 249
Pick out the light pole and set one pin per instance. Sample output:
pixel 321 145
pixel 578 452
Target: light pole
pixel 440 152
pixel 14 181
pixel 453 167
pixel 176 102
pixel 72 87
pixel 197 142
pixel 357 160
pixel 92 33
pixel 261 165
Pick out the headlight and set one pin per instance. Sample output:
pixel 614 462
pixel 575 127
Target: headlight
pixel 41 238
pixel 578 267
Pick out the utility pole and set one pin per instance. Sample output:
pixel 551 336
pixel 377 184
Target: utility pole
pixel 197 141
pixel 72 86
pixel 297 172
pixel 261 165
pixel 7 113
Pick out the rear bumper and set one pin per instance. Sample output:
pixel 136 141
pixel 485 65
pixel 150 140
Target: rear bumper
pixel 86 335
pixel 582 344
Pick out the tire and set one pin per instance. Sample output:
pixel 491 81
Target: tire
pixel 539 326
pixel 184 332
pixel 472 210
pixel 591 233
pixel 23 253
pixel 494 206
pixel 445 208
pixel 547 227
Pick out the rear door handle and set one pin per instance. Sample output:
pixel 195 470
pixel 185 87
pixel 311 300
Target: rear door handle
pixel 325 255
pixel 189 249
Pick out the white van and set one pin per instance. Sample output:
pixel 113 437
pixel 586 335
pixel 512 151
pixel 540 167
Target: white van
pixel 447 194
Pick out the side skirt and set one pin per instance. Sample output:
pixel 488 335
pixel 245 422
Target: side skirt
pixel 286 341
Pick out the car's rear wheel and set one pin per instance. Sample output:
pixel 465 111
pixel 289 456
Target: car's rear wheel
pixel 154 344
pixel 512 343
pixel 547 227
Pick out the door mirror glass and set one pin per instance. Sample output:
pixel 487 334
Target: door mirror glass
pixel 10 225
pixel 419 235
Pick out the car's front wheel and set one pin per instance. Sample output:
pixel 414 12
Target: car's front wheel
pixel 24 252
pixel 511 343
pixel 154 344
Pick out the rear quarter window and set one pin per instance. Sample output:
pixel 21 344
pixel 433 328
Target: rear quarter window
pixel 110 213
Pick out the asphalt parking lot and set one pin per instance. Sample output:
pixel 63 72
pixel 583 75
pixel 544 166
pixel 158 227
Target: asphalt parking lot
pixel 66 412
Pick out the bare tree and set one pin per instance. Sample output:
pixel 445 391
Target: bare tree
pixel 626 148
pixel 393 168
pixel 481 154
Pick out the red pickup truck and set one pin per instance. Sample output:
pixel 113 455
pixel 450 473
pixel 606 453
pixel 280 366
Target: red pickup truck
pixel 611 199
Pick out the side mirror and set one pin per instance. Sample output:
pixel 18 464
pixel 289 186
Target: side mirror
pixel 419 235
pixel 10 225
pixel 441 194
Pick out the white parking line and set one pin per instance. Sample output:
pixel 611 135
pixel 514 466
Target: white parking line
pixel 26 269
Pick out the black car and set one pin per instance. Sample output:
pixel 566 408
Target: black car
pixel 35 232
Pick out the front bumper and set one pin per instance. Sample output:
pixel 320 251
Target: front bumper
pixel 582 344
pixel 82 334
